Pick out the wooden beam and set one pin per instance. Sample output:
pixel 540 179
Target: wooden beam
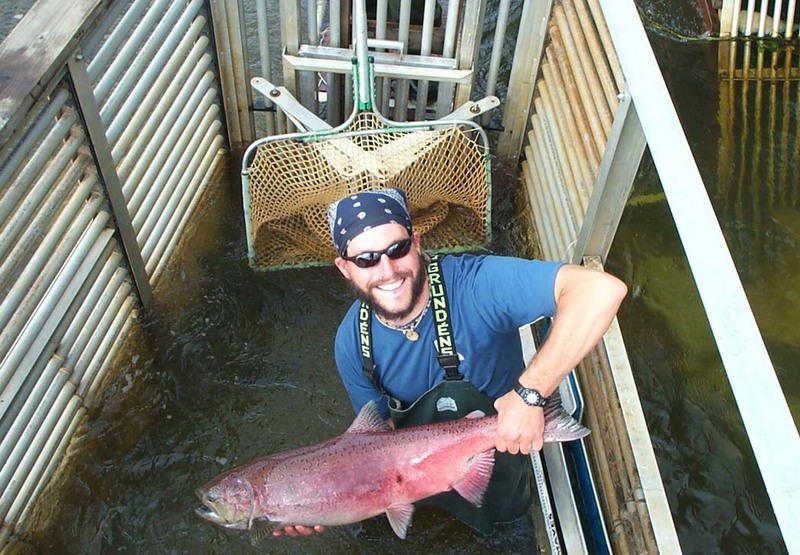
pixel 36 50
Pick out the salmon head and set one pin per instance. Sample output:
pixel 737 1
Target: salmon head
pixel 228 500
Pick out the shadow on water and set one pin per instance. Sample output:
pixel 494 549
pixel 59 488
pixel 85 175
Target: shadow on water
pixel 230 365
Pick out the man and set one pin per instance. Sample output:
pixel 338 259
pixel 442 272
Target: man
pixel 432 341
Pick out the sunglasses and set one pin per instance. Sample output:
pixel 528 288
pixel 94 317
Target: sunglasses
pixel 395 251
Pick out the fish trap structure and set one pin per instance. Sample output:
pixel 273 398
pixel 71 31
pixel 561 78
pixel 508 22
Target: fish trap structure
pixel 288 180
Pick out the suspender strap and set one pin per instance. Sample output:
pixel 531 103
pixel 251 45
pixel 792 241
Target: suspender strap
pixel 365 336
pixel 445 342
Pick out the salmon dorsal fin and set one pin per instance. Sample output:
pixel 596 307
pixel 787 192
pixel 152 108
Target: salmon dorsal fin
pixel 474 483
pixel 368 420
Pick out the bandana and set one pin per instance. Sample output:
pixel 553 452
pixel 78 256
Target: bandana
pixel 355 214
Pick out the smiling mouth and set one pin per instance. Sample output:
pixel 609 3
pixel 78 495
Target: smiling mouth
pixel 391 286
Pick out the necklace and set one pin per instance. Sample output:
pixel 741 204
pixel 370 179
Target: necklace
pixel 410 329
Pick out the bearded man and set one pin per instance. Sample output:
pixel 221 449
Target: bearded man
pixel 430 340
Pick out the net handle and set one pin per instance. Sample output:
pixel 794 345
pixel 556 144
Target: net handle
pixel 363 87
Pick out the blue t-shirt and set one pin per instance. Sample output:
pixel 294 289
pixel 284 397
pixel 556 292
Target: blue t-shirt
pixel 489 297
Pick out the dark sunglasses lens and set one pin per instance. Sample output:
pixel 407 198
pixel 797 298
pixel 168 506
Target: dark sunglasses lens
pixel 399 249
pixel 367 259
pixel 395 251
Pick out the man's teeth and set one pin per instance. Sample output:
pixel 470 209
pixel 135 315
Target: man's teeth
pixel 390 286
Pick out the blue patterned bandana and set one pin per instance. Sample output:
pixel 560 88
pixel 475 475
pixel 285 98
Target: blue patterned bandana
pixel 355 214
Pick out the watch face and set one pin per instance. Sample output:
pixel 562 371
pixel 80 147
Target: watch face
pixel 531 396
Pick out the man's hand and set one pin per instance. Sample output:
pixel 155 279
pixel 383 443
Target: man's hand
pixel 520 428
pixel 297 531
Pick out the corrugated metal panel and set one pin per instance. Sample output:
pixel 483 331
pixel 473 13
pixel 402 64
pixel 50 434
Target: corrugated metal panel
pixel 60 264
pixel 144 98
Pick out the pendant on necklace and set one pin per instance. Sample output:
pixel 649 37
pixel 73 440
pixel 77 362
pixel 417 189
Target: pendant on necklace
pixel 411 335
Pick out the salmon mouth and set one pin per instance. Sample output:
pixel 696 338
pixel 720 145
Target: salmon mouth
pixel 208 513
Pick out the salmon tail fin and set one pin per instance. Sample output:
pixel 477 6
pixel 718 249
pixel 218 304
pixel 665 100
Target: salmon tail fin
pixel 559 425
pixel 399 518
pixel 473 485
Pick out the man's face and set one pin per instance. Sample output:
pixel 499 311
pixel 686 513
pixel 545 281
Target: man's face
pixel 392 287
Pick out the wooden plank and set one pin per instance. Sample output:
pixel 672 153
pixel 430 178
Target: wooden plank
pixel 36 50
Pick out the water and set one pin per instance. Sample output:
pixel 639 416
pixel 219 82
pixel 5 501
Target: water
pixel 717 497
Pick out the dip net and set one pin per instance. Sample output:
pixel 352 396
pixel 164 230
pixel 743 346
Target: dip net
pixel 288 180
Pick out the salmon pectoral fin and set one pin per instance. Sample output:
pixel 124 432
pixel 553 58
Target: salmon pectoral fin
pixel 400 517
pixel 473 484
pixel 260 529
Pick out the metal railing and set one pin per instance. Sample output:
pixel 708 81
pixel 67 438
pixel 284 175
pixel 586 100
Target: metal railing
pixel 110 128
pixel 579 228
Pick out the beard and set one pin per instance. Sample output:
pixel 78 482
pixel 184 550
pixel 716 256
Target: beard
pixel 417 287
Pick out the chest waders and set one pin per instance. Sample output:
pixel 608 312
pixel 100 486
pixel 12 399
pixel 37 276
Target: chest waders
pixel 509 494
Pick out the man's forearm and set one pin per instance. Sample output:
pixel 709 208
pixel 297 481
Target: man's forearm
pixel 586 303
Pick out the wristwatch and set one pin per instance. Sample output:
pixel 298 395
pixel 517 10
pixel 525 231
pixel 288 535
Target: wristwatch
pixel 531 397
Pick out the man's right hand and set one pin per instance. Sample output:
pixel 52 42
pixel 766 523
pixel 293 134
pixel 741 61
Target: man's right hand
pixel 297 531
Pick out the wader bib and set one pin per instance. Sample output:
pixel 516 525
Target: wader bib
pixel 509 494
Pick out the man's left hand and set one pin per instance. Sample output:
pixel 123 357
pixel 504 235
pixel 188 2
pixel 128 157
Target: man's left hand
pixel 520 427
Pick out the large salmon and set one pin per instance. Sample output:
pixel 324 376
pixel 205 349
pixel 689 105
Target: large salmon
pixel 368 470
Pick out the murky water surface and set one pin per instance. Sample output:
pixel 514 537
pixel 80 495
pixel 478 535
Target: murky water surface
pixel 750 167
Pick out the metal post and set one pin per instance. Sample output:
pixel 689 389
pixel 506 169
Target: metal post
pixel 626 143
pixel 527 59
pixel 108 175
pixel 230 43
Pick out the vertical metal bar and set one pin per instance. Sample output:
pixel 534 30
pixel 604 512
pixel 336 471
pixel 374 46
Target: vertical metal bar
pixel 790 19
pixel 470 42
pixel 401 85
pixel 336 89
pixel 425 50
pixel 726 17
pixel 108 177
pixel 266 62
pixel 444 99
pixel 618 169
pixel 522 81
pixel 229 36
pixel 290 32
pixel 497 53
